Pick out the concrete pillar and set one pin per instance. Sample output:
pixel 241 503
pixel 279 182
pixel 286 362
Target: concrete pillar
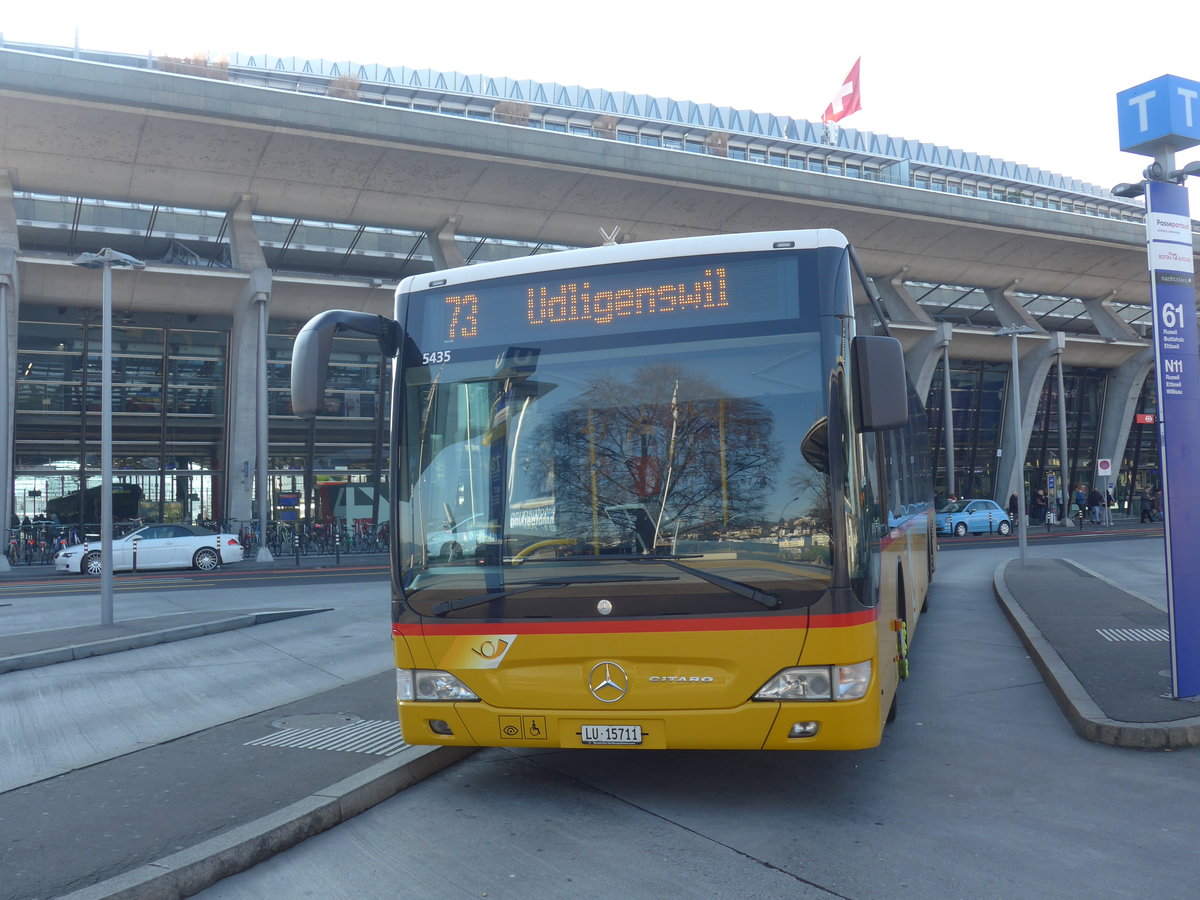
pixel 898 302
pixel 443 245
pixel 1010 312
pixel 241 428
pixel 1108 324
pixel 1120 403
pixel 1036 353
pixel 1064 466
pixel 922 358
pixel 10 302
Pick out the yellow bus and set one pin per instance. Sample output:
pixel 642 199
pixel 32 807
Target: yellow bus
pixel 662 495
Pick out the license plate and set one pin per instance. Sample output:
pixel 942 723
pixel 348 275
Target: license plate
pixel 611 734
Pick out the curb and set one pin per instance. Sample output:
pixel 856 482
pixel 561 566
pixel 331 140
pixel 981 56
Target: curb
pixel 132 641
pixel 1081 711
pixel 190 871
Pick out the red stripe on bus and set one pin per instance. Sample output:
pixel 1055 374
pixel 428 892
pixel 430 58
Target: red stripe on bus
pixel 763 623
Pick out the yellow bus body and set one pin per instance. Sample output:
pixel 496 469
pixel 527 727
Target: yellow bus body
pixel 689 681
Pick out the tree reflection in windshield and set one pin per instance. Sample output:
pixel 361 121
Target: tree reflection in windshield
pixel 660 452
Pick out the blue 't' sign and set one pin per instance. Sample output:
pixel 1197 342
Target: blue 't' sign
pixel 1160 114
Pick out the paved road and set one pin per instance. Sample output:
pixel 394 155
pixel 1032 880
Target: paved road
pixel 980 790
pixel 977 726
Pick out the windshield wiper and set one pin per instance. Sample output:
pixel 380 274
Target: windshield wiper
pixel 446 606
pixel 749 591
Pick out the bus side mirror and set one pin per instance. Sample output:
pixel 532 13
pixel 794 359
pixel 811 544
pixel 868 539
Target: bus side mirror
pixel 310 353
pixel 310 365
pixel 880 381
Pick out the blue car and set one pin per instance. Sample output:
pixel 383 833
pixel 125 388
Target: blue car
pixel 974 516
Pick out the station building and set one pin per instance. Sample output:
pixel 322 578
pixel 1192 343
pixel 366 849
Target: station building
pixel 229 282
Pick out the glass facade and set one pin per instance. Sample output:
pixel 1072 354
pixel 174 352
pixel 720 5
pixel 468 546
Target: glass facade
pixel 978 390
pixel 977 395
pixel 1139 469
pixel 171 378
pixel 1084 391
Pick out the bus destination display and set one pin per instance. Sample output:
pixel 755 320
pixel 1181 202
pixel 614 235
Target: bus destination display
pixel 615 300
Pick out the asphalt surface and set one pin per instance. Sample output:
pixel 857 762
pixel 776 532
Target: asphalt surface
pixel 1100 646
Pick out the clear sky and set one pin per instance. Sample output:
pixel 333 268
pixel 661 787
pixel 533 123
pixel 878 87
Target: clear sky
pixel 1029 82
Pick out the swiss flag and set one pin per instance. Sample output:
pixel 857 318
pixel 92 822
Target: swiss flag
pixel 848 99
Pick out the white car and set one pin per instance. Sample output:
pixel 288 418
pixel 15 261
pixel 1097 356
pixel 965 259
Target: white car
pixel 456 539
pixel 158 547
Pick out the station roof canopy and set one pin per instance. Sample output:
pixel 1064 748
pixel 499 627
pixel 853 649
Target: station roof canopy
pixel 92 130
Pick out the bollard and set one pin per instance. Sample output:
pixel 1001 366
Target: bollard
pixel 135 543
pixel 296 544
pixel 337 545
pixel 989 521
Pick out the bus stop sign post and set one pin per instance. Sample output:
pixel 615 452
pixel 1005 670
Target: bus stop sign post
pixel 1157 119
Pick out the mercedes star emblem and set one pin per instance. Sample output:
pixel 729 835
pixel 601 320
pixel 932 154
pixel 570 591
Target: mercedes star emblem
pixel 608 682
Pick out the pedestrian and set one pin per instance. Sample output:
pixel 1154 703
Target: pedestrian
pixel 1158 504
pixel 1108 506
pixel 1038 511
pixel 1095 500
pixel 1147 502
pixel 1080 502
pixel 1013 507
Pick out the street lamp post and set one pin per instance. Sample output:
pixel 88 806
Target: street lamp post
pixel 784 509
pixel 105 260
pixel 1014 391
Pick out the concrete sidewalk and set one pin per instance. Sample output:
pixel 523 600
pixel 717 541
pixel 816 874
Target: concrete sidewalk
pixel 154 822
pixel 155 826
pixel 44 648
pixel 1103 651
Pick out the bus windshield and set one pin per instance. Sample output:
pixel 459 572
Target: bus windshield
pixel 655 475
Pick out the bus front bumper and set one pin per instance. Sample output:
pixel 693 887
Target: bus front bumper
pixel 852 725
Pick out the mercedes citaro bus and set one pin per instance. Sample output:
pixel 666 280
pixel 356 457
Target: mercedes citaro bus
pixel 672 494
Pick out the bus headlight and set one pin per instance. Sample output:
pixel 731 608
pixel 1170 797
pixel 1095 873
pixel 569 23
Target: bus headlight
pixel 431 684
pixel 818 683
